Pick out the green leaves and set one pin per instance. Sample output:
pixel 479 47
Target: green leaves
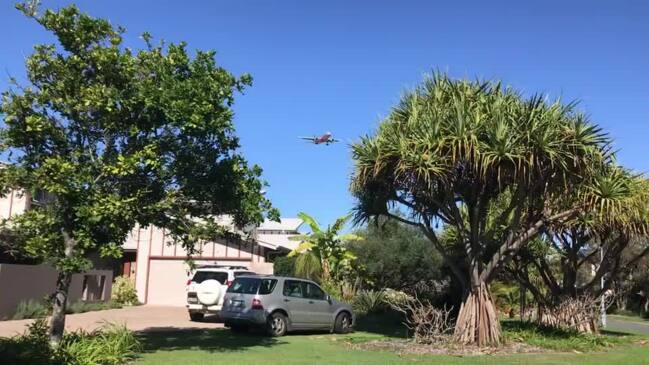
pixel 493 167
pixel 118 137
pixel 324 246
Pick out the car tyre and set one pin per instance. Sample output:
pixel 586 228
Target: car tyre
pixel 343 323
pixel 277 324
pixel 196 317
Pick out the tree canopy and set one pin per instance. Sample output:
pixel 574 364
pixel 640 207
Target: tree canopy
pixel 116 136
pixel 452 151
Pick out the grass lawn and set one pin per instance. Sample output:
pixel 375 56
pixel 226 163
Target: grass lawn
pixel 220 346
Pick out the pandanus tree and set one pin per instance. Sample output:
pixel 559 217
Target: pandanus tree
pixel 451 151
pixel 117 138
pixel 322 254
pixel 610 240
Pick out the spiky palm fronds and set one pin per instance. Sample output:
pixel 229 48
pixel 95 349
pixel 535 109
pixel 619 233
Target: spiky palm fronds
pixel 324 246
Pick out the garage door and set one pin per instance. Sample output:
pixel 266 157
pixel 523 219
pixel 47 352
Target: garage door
pixel 167 282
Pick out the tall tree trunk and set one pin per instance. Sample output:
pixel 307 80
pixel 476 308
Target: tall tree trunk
pixel 57 322
pixel 522 301
pixel 477 323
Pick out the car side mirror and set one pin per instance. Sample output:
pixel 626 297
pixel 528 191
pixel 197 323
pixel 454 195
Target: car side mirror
pixel 328 298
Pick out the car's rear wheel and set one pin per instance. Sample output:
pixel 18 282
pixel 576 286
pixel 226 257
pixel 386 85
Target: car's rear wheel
pixel 196 317
pixel 277 324
pixel 343 323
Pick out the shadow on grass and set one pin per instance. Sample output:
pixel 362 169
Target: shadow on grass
pixel 211 340
pixel 388 324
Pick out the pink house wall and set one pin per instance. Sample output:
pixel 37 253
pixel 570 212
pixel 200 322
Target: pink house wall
pixel 161 267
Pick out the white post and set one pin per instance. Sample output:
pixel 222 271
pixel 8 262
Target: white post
pixel 603 298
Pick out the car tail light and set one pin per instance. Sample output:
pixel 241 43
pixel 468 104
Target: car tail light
pixel 189 281
pixel 256 304
pixel 229 283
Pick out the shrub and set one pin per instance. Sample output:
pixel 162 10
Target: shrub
pixel 555 338
pixel 369 301
pixel 284 266
pixel 332 288
pixel 83 307
pixel 31 309
pixel 109 345
pixel 395 297
pixel 124 291
pixel 395 255
pixel 31 348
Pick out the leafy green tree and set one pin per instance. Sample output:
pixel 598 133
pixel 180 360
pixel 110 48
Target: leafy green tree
pixel 452 150
pixel 117 137
pixel 395 255
pixel 322 254
pixel 284 266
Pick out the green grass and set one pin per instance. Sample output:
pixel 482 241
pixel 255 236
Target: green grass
pixel 220 346
pixel 561 340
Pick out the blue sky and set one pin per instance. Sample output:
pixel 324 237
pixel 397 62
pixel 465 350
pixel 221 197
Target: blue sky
pixel 339 66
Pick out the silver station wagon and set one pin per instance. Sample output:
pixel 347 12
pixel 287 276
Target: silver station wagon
pixel 282 304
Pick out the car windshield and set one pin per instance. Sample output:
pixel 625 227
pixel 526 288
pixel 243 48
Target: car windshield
pixel 252 286
pixel 201 276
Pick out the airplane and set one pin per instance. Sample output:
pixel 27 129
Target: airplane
pixel 325 138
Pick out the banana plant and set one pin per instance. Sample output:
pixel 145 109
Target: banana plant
pixel 321 254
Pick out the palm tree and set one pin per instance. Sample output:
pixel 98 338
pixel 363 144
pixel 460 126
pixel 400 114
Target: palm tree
pixel 452 150
pixel 321 254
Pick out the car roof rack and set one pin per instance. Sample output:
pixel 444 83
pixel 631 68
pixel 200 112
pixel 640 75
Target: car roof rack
pixel 231 267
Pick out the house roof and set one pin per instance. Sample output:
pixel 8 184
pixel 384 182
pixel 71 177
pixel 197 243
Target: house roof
pixel 276 241
pixel 286 224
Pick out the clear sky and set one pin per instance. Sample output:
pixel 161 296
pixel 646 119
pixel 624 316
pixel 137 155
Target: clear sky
pixel 340 65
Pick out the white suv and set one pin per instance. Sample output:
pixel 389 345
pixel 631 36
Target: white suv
pixel 206 289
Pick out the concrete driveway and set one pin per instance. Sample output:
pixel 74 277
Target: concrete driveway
pixel 140 318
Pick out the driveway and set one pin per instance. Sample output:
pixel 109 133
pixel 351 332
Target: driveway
pixel 140 318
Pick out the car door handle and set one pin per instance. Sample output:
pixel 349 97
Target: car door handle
pixel 287 300
pixel 310 301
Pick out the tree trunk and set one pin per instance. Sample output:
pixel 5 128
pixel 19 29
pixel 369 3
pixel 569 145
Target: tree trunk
pixel 57 322
pixel 477 322
pixel 60 299
pixel 522 302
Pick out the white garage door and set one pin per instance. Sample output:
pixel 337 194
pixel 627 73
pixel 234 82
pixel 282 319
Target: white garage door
pixel 167 282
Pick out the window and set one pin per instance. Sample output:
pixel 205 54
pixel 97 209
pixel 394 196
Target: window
pixel 93 287
pixel 267 286
pixel 245 286
pixel 293 288
pixel 312 291
pixel 201 276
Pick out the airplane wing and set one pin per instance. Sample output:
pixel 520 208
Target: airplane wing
pixel 334 140
pixel 312 139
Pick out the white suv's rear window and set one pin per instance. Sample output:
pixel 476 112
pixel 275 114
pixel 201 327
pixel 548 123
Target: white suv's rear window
pixel 201 276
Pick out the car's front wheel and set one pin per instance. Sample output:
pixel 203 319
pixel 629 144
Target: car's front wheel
pixel 277 324
pixel 196 317
pixel 343 323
